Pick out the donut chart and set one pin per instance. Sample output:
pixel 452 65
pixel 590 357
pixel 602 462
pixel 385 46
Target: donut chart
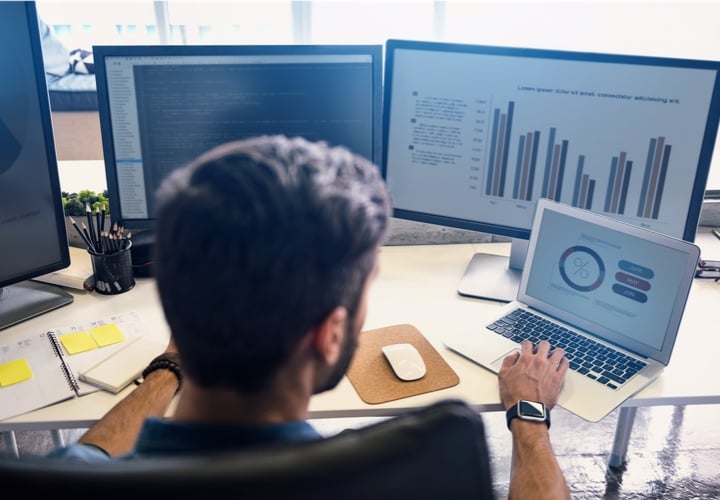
pixel 581 268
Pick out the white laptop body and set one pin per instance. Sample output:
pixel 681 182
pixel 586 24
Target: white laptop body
pixel 619 284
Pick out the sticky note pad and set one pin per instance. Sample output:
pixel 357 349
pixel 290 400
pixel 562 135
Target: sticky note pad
pixel 78 342
pixel 14 371
pixel 107 334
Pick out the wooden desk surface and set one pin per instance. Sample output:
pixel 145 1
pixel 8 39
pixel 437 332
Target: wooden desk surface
pixel 416 285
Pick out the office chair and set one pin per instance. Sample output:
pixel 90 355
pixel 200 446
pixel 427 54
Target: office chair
pixel 436 452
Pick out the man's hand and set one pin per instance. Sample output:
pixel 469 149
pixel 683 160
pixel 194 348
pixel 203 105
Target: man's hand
pixel 533 373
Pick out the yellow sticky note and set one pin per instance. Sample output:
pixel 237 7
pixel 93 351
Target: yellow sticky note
pixel 77 342
pixel 107 334
pixel 14 371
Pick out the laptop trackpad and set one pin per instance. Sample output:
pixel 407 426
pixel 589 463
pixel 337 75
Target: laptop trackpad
pixel 499 361
pixel 487 349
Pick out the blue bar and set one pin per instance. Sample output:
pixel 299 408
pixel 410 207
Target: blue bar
pixel 548 161
pixel 491 158
pixel 591 190
pixel 533 163
pixel 661 181
pixel 578 180
pixel 561 170
pixel 611 183
pixel 646 178
pixel 506 147
pixel 518 167
pixel 625 184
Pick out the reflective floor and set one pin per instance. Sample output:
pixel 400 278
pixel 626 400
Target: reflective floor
pixel 674 452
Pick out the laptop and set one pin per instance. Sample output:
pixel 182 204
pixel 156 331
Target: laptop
pixel 610 293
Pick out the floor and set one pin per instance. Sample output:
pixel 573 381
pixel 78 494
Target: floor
pixel 674 452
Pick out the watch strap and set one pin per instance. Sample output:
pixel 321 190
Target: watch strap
pixel 513 413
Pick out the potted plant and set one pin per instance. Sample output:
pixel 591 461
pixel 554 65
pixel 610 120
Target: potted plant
pixel 75 208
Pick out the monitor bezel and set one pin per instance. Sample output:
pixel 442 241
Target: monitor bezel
pixel 43 101
pixel 704 160
pixel 101 52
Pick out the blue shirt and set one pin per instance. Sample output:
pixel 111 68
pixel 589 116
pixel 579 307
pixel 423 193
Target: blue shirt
pixel 165 438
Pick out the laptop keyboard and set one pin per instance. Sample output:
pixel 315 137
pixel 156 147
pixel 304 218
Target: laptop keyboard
pixel 596 361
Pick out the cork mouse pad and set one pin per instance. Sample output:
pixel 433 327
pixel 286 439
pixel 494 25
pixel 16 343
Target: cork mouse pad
pixel 373 378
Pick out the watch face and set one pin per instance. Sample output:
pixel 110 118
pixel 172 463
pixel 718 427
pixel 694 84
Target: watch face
pixel 531 409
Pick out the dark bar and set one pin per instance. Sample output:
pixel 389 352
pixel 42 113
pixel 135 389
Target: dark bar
pixel 491 158
pixel 554 172
pixel 661 181
pixel 526 165
pixel 533 164
pixel 506 146
pixel 646 178
pixel 652 188
pixel 548 162
pixel 518 167
pixel 619 175
pixel 591 190
pixel 625 185
pixel 561 171
pixel 578 180
pixel 497 169
pixel 611 183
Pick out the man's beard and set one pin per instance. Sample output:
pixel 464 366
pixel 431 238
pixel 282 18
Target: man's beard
pixel 346 355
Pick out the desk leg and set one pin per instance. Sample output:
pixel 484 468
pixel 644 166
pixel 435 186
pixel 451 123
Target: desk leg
pixel 57 437
pixel 623 428
pixel 11 444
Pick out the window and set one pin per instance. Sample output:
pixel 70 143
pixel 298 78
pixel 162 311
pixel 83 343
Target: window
pixel 676 28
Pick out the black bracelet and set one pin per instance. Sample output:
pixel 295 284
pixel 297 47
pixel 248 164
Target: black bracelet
pixel 166 361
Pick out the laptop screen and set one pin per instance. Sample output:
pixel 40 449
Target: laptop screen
pixel 627 284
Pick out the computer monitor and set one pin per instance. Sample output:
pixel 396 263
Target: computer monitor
pixel 33 240
pixel 475 135
pixel 161 106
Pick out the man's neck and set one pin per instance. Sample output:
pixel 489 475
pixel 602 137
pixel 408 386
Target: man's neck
pixel 224 406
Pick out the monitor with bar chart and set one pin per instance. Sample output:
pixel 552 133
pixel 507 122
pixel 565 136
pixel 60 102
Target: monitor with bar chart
pixel 475 135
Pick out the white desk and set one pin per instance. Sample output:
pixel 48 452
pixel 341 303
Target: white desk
pixel 416 285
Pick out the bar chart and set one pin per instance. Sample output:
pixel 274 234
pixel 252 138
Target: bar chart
pixel 550 152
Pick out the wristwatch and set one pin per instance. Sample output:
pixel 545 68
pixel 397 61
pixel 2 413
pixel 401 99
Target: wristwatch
pixel 533 411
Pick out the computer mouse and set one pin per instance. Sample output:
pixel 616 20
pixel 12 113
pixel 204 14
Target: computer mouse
pixel 405 360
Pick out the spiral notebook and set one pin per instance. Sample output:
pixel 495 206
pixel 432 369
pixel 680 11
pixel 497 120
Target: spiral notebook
pixel 40 369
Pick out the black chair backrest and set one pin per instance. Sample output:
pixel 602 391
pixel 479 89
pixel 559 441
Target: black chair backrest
pixel 437 452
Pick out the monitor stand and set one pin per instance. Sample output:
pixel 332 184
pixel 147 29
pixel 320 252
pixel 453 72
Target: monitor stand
pixel 28 299
pixel 495 277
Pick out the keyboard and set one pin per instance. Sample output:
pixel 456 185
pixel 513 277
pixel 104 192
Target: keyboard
pixel 592 359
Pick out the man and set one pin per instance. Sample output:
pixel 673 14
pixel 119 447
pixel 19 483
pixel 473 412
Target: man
pixel 265 251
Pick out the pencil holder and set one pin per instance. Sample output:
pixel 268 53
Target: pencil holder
pixel 113 271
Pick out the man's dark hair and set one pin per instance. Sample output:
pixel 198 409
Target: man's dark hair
pixel 256 242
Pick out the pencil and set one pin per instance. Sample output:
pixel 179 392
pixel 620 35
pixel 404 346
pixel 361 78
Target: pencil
pixel 102 221
pixel 98 230
pixel 90 229
pixel 77 228
pixel 89 238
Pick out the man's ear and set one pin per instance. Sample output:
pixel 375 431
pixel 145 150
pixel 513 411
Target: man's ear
pixel 329 335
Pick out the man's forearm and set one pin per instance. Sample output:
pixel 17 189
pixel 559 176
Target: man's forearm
pixel 535 471
pixel 118 430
